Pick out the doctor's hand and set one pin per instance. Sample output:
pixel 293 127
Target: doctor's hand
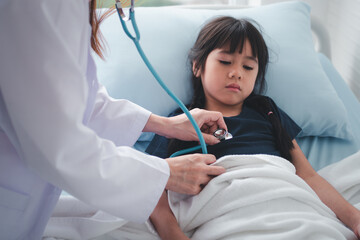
pixel 190 173
pixel 181 128
pixel 208 122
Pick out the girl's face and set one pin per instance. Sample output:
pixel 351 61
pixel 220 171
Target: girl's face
pixel 228 79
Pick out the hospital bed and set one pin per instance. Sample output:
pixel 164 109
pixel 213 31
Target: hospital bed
pixel 301 79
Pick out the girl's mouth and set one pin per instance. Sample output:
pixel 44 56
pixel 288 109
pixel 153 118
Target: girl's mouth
pixel 233 87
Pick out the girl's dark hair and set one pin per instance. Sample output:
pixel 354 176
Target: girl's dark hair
pixel 216 34
pixel 263 105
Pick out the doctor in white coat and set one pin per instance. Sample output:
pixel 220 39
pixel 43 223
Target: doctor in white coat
pixel 60 130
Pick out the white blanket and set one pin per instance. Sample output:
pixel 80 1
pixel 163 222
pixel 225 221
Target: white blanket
pixel 259 197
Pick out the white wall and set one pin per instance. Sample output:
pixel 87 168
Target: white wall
pixel 342 19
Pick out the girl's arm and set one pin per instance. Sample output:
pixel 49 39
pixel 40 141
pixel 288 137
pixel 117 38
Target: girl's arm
pixel 165 222
pixel 346 212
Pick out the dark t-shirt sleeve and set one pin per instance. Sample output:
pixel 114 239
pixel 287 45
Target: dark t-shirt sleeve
pixel 158 146
pixel 290 126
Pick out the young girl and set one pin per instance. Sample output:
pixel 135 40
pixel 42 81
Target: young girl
pixel 229 60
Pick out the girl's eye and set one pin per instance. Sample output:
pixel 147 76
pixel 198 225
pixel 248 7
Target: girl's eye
pixel 224 62
pixel 248 67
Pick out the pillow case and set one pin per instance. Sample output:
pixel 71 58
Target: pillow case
pixel 295 78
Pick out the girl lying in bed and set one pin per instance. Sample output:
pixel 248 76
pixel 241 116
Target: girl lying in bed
pixel 229 60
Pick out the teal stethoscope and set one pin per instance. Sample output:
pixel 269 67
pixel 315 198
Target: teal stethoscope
pixel 221 134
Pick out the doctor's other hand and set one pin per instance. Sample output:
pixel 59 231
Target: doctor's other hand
pixel 190 173
pixel 208 122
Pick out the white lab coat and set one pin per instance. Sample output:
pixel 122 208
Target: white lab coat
pixel 58 130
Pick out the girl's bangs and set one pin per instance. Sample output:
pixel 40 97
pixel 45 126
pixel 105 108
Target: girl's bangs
pixel 235 40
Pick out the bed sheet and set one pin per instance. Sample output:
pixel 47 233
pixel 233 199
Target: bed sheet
pixel 322 151
pixel 294 212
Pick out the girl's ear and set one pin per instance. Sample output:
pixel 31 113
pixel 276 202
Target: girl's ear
pixel 195 70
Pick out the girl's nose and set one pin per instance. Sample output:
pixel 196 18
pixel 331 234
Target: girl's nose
pixel 235 73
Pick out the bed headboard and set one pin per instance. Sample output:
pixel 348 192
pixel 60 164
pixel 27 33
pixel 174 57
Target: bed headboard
pixel 320 32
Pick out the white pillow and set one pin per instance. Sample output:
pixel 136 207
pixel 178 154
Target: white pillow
pixel 295 78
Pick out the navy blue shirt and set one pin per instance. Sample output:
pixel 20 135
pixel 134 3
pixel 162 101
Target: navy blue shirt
pixel 252 134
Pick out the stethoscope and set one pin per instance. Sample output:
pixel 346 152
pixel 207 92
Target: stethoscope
pixel 221 134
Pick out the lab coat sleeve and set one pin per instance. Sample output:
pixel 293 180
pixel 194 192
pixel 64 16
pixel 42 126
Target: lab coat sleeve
pixel 43 50
pixel 118 120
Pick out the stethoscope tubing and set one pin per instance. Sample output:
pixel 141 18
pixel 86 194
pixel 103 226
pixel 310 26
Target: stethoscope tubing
pixel 185 151
pixel 136 40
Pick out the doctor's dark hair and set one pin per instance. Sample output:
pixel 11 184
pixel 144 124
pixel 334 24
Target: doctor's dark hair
pixel 218 33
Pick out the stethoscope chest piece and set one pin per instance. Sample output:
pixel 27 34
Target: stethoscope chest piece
pixel 222 134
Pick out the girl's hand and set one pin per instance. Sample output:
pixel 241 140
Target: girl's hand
pixel 357 231
pixel 356 226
